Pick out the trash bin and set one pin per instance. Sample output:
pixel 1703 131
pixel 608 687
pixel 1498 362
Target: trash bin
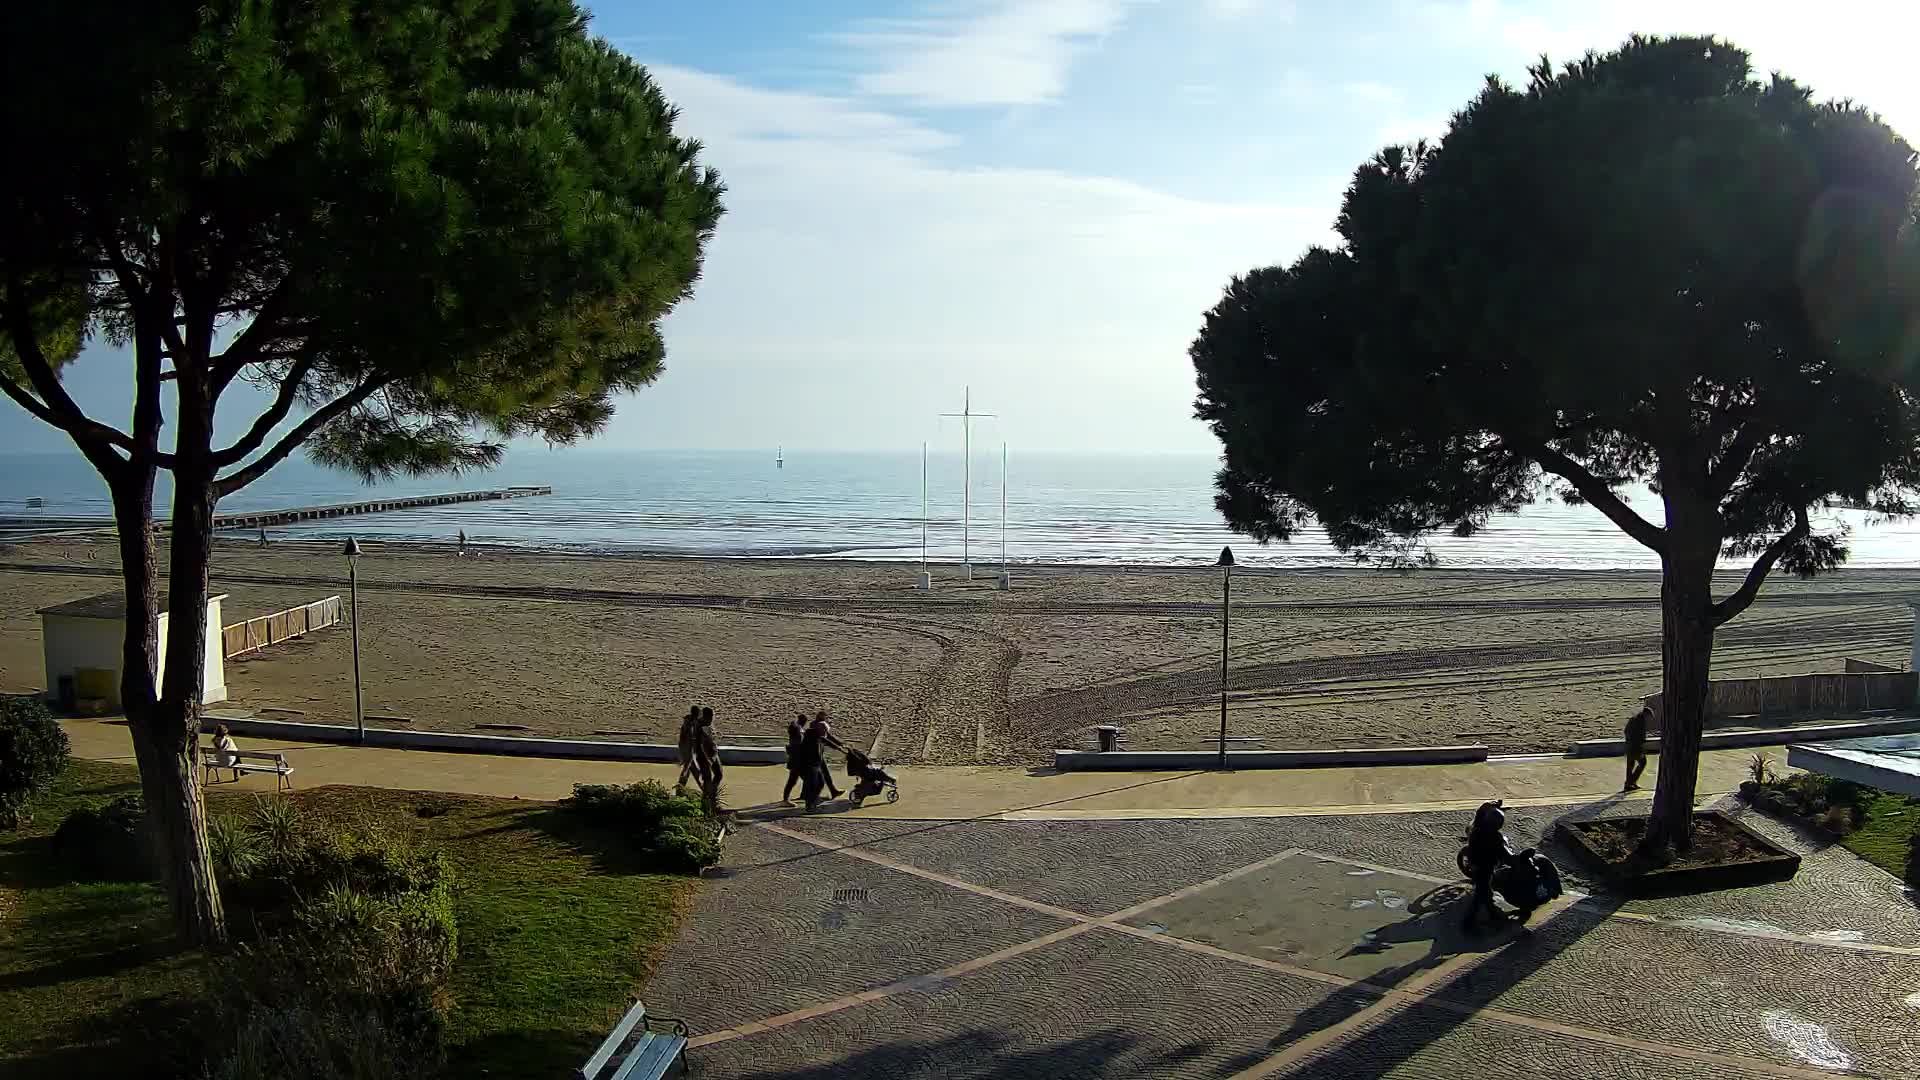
pixel 1109 738
pixel 64 694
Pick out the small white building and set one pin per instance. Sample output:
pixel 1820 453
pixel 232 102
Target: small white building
pixel 84 640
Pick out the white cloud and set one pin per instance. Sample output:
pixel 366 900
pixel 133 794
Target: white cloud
pixel 1009 52
pixel 855 265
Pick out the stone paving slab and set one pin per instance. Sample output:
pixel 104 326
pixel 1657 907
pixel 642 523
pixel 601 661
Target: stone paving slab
pixel 1096 1005
pixel 1330 916
pixel 792 927
pixel 1780 1001
pixel 1420 1042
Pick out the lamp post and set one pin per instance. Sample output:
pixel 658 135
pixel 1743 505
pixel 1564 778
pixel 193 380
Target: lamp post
pixel 1226 614
pixel 352 552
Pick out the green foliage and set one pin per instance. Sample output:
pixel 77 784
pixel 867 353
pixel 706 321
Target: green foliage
pixel 1760 769
pixel 1912 868
pixel 478 210
pixel 1646 267
pixel 33 750
pixel 107 841
pixel 356 941
pixel 668 827
pixel 1837 806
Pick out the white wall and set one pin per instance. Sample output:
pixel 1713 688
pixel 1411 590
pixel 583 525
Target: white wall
pixel 69 644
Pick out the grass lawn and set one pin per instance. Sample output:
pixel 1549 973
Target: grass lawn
pixel 558 928
pixel 1883 836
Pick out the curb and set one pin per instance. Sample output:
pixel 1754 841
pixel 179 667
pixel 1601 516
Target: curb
pixel 1733 740
pixel 1176 760
pixel 591 749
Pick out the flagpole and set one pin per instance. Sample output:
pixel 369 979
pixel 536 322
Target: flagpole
pixel 1005 581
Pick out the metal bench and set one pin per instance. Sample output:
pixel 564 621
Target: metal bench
pixel 260 761
pixel 650 1054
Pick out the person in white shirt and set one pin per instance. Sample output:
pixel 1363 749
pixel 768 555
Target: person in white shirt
pixel 226 754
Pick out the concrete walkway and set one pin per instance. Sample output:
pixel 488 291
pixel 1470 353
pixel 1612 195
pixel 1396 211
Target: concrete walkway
pixel 981 792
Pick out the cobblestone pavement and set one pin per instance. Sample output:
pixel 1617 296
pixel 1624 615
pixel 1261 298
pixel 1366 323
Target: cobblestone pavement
pixel 1299 947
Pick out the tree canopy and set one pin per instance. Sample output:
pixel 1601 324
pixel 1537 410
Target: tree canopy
pixel 1643 267
pixel 411 222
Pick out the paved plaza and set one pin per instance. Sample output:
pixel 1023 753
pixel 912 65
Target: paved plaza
pixel 835 945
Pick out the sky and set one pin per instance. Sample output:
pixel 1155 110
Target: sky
pixel 1039 199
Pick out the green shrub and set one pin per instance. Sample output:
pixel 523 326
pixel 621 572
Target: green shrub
pixel 641 807
pixel 236 848
pixel 33 750
pixel 1913 860
pixel 110 842
pixel 669 827
pixel 686 848
pixel 347 977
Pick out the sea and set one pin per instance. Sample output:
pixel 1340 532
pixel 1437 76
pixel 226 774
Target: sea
pixel 1136 509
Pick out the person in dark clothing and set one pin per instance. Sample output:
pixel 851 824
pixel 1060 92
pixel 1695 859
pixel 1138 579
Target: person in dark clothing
pixel 796 755
pixel 1637 747
pixel 689 736
pixel 1487 851
pixel 825 739
pixel 813 758
pixel 706 756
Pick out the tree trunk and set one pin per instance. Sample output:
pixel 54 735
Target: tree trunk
pixel 1686 633
pixel 162 744
pixel 182 823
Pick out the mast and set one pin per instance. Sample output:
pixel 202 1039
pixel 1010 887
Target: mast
pixel 967 416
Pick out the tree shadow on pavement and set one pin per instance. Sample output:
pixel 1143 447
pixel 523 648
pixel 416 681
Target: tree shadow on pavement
pixel 987 1055
pixel 1460 996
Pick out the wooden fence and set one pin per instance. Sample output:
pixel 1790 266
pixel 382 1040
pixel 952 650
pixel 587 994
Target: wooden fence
pixel 1788 697
pixel 244 637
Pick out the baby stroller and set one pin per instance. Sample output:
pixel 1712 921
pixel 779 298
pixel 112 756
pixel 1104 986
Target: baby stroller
pixel 870 779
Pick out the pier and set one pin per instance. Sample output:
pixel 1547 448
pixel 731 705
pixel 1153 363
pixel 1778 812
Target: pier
pixel 261 519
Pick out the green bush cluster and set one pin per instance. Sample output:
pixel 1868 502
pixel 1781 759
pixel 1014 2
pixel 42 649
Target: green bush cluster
pixel 353 942
pixel 1838 806
pixel 1913 860
pixel 669 828
pixel 33 750
pixel 107 842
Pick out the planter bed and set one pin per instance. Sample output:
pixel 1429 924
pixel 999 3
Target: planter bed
pixel 1725 855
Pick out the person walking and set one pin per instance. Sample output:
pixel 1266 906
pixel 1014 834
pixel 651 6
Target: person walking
pixel 706 756
pixel 689 736
pixel 796 756
pixel 825 738
pixel 1637 747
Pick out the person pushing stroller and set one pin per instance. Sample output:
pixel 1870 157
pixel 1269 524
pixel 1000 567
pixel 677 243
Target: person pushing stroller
pixel 870 779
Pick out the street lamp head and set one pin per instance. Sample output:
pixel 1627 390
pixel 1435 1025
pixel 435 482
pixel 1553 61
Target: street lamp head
pixel 1226 557
pixel 352 550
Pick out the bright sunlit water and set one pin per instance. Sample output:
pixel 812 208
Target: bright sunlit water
pixel 1062 508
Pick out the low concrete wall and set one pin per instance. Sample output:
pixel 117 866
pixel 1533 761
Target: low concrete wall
pixel 454 742
pixel 1829 694
pixel 1174 760
pixel 1727 740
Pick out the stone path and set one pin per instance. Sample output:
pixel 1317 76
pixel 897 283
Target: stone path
pixel 1301 947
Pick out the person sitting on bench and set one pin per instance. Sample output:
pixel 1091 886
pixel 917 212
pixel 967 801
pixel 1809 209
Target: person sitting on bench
pixel 226 753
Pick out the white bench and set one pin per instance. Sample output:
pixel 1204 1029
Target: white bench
pixel 260 761
pixel 652 1055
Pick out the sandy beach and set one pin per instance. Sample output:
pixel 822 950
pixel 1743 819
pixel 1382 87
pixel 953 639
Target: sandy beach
pixel 618 646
